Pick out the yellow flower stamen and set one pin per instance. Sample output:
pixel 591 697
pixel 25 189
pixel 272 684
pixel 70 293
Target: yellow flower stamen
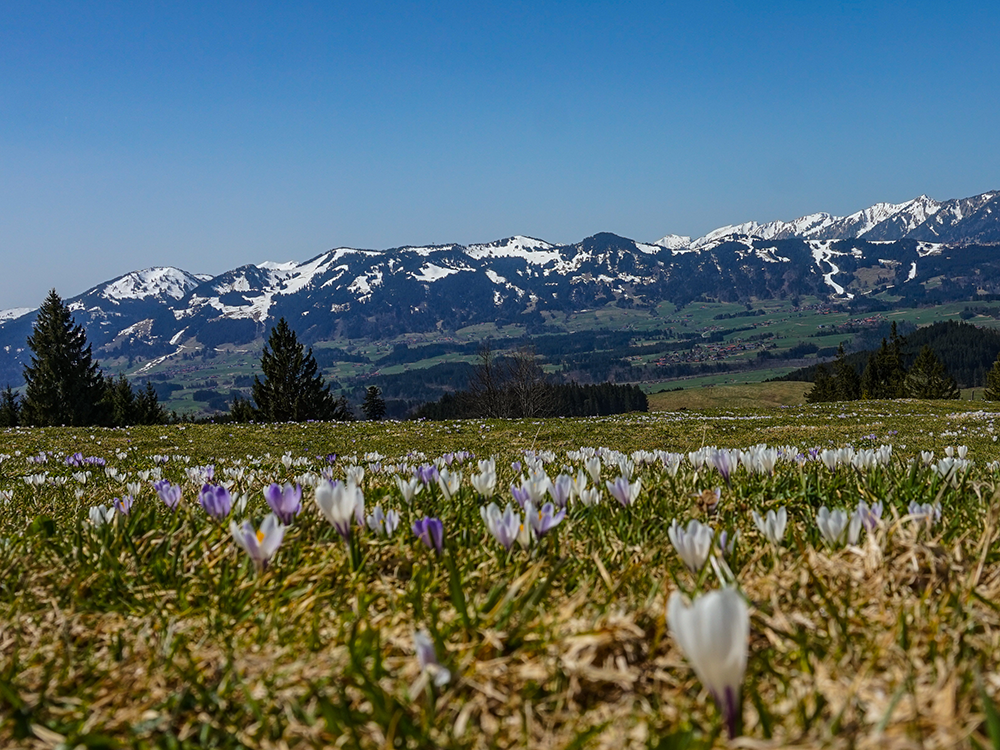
pixel 260 537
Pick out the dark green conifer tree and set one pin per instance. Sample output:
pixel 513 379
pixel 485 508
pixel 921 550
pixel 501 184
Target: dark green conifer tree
pixel 928 378
pixel 992 392
pixel 120 400
pixel 64 384
pixel 292 389
pixel 823 387
pixel 374 405
pixel 884 376
pixel 10 408
pixel 148 409
pixel 846 383
pixel 242 410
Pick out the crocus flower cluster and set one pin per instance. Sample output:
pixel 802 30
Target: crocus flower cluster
pixel 837 527
pixel 506 527
pixel 383 524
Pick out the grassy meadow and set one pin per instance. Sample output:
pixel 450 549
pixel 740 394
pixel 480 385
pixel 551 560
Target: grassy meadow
pixel 154 628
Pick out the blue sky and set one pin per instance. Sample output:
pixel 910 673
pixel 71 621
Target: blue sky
pixel 208 135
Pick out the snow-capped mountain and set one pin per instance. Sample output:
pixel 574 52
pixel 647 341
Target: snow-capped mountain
pixel 975 219
pixel 145 317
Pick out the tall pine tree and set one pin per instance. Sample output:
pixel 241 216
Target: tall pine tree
pixel 10 408
pixel 846 383
pixel 64 384
pixel 292 389
pixel 992 392
pixel 374 405
pixel 824 388
pixel 927 378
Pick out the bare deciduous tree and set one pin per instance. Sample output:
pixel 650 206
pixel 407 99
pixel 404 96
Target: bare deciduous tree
pixel 508 387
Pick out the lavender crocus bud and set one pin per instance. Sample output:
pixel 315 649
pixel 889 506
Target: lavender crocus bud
pixel 170 494
pixel 285 501
pixel 216 501
pixel 430 531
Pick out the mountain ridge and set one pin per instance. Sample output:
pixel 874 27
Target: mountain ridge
pixel 146 316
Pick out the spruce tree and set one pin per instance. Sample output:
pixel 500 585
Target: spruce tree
pixel 64 384
pixel 292 389
pixel 929 379
pixel 884 375
pixel 823 387
pixel 242 410
pixel 148 409
pixel 10 408
pixel 992 392
pixel 846 383
pixel 374 405
pixel 895 375
pixel 120 400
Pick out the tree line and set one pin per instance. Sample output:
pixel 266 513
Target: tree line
pixel 884 376
pixel 514 386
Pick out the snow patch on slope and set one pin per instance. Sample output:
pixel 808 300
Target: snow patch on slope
pixel 533 251
pixel 15 312
pixel 430 272
pixel 822 253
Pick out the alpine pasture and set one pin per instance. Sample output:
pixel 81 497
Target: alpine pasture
pixel 832 573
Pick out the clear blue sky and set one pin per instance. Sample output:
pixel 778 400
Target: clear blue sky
pixel 207 135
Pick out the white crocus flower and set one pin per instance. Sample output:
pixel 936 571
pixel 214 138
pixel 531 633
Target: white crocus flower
pixel 101 514
pixel 260 545
pixel 772 525
pixel 409 488
pixel 836 526
pixel 449 482
pixel 590 496
pixel 340 502
pixel 713 632
pixel 694 544
pixel 485 482
pixel 355 474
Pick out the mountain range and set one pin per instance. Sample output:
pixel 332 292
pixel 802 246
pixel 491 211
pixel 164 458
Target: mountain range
pixel 145 317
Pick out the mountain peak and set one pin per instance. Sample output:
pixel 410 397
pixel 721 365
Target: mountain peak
pixel 158 281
